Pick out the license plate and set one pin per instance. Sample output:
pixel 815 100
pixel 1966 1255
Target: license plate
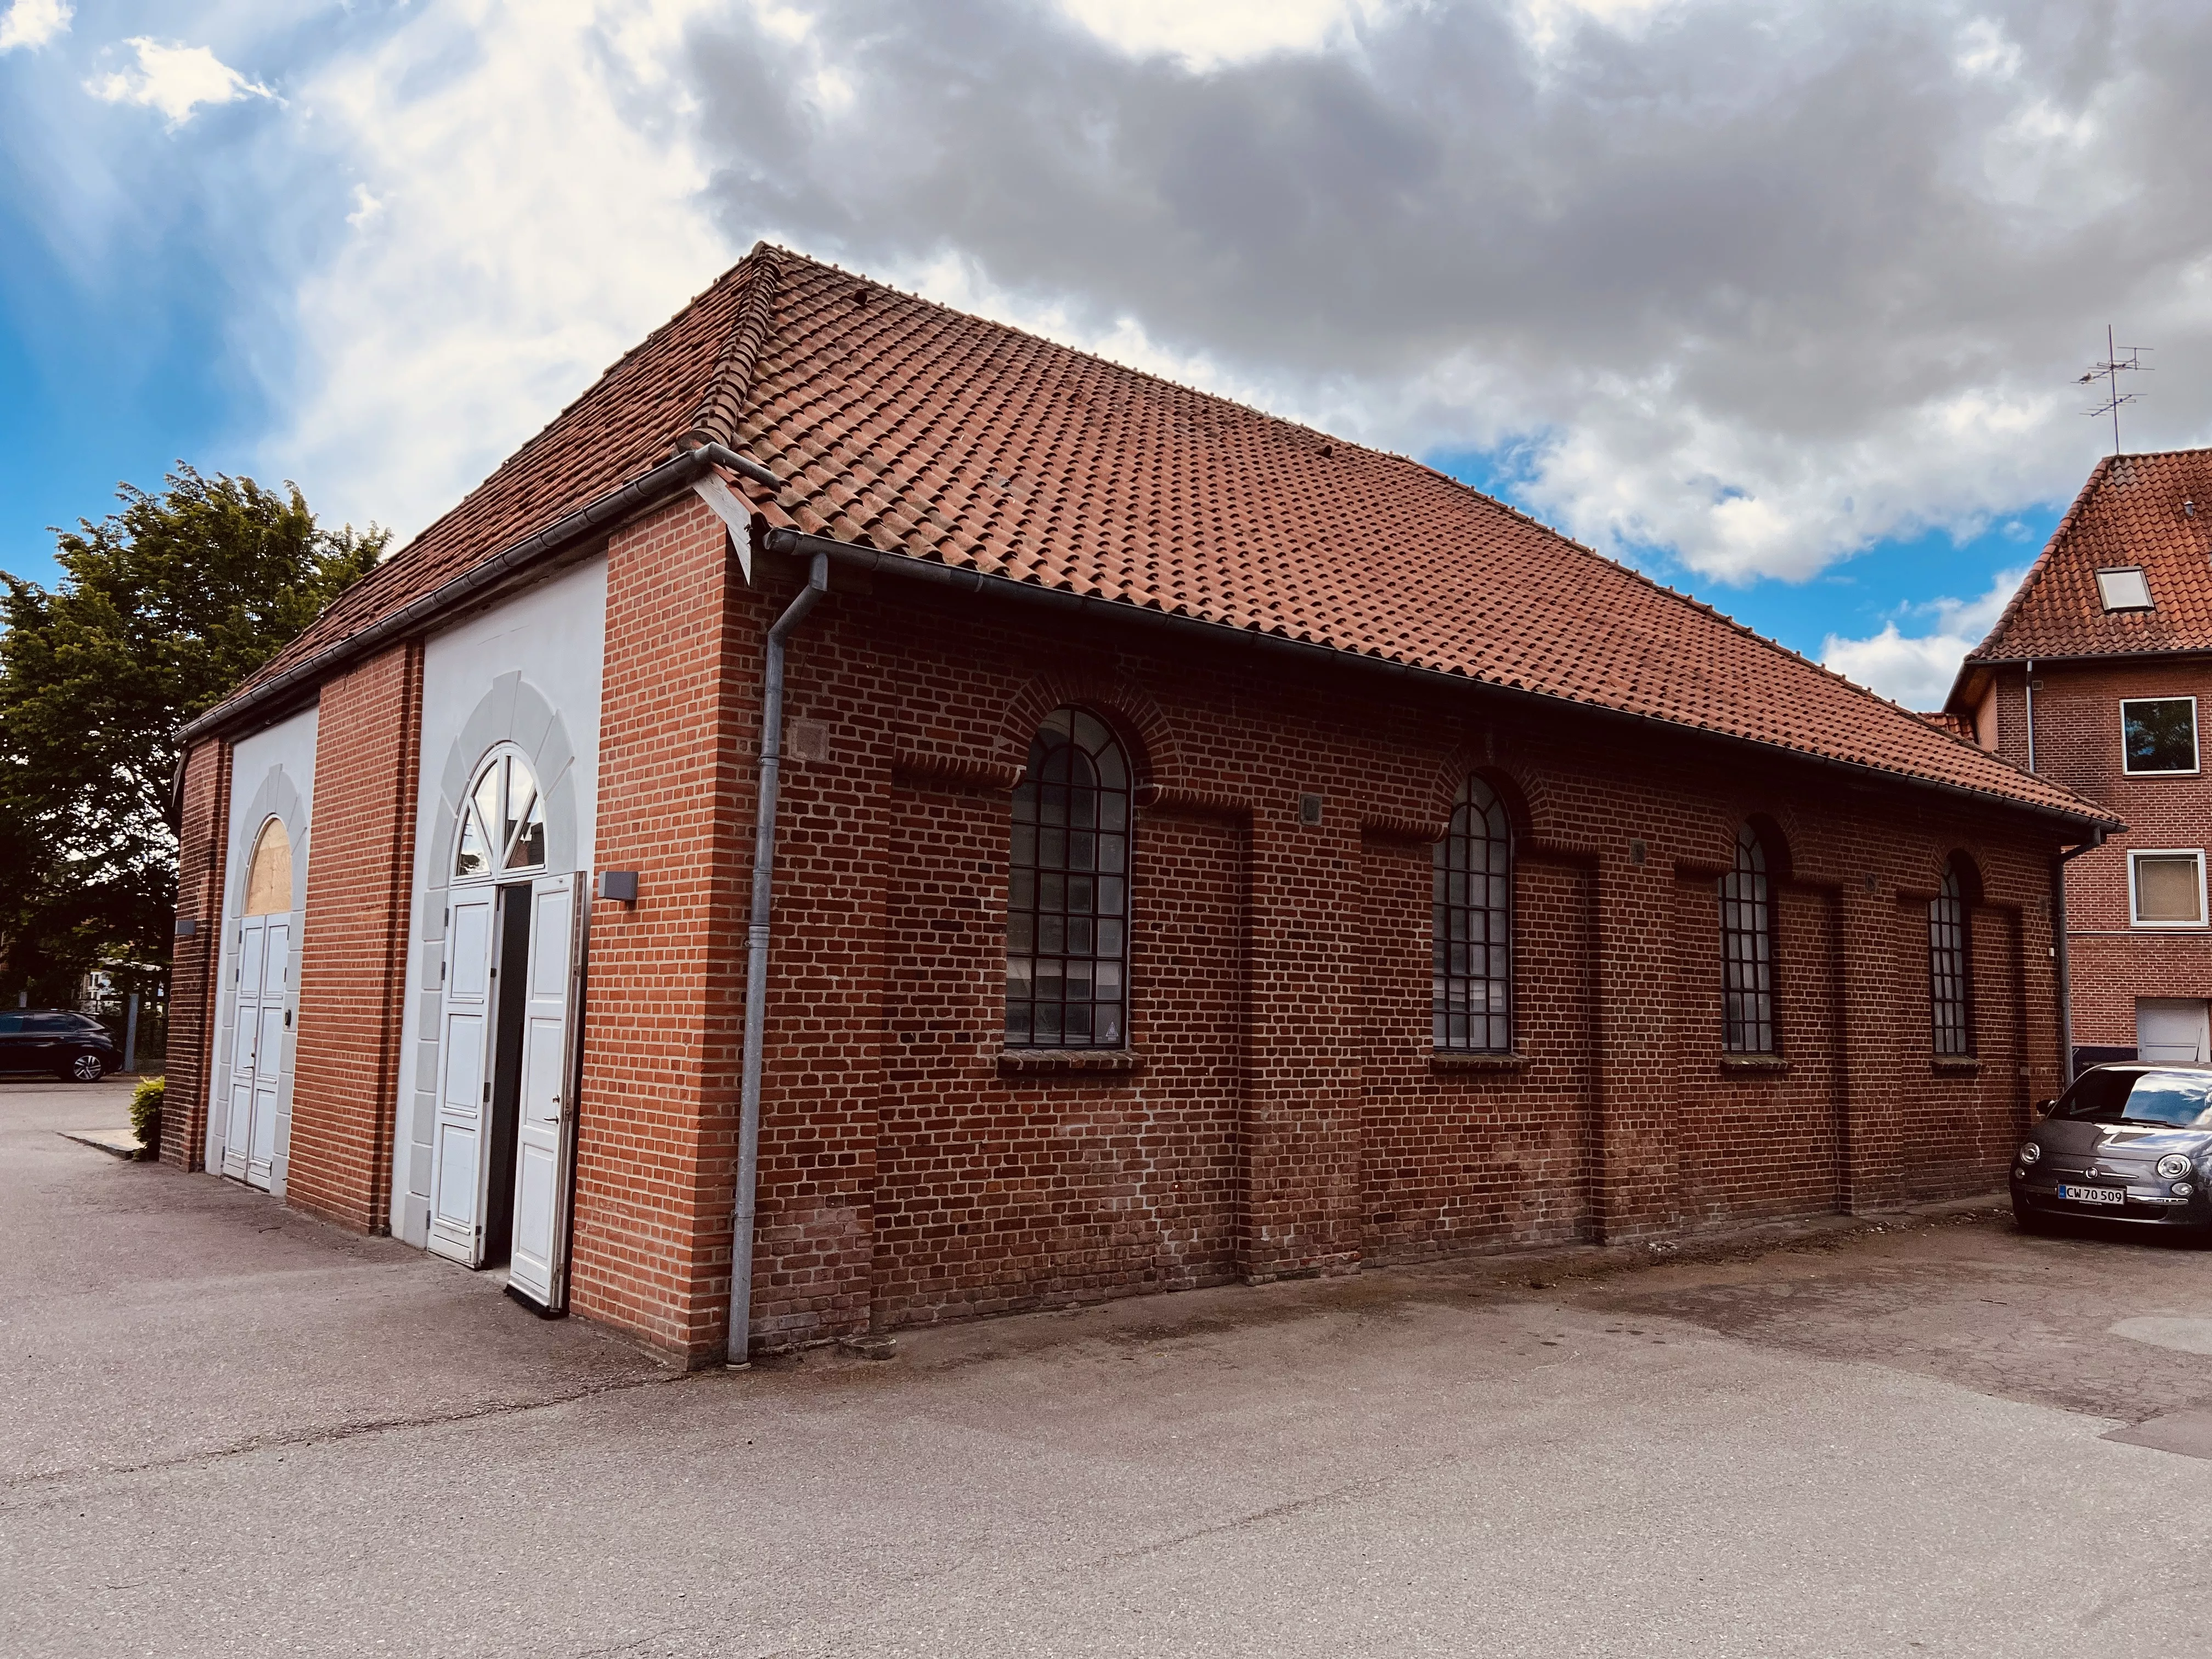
pixel 2095 1195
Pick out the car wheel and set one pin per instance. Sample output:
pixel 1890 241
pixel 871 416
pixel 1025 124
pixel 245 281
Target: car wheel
pixel 86 1068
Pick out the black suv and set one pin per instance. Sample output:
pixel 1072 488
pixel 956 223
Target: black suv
pixel 66 1046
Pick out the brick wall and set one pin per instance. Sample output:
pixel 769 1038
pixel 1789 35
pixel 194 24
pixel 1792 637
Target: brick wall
pixel 1281 1111
pixel 203 833
pixel 2077 743
pixel 657 1117
pixel 353 942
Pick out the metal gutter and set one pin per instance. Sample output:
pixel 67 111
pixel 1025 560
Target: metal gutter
pixel 737 1349
pixel 2058 954
pixel 639 493
pixel 797 542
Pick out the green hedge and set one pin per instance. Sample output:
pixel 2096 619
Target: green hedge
pixel 146 1115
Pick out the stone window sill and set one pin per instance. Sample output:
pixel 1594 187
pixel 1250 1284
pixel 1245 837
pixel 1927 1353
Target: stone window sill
pixel 1077 1062
pixel 1955 1064
pixel 1448 1060
pixel 1742 1065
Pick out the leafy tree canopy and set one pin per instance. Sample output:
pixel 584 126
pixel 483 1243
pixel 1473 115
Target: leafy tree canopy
pixel 163 608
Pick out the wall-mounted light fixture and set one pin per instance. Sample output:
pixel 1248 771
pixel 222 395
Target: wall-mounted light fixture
pixel 617 886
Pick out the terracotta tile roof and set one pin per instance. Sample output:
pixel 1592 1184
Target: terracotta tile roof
pixel 1957 725
pixel 2134 511
pixel 930 434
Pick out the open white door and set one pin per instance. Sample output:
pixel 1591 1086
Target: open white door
pixel 464 1053
pixel 244 1039
pixel 2172 1028
pixel 544 1130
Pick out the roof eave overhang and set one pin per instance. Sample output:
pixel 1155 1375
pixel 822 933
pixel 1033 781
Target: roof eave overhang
pixel 854 556
pixel 252 705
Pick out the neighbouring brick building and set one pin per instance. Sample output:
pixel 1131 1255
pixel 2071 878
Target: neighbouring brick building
pixel 2092 678
pixel 1205 850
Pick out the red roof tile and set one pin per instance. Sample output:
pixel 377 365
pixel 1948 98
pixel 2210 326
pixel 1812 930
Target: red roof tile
pixel 930 434
pixel 2135 511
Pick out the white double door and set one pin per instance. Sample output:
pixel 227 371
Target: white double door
pixel 262 983
pixel 462 1162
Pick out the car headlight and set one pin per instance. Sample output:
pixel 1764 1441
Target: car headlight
pixel 2173 1166
pixel 2029 1151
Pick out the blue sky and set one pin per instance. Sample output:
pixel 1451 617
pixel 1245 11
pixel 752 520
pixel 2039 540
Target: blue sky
pixel 1782 302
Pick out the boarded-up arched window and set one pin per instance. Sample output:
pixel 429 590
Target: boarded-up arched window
pixel 269 875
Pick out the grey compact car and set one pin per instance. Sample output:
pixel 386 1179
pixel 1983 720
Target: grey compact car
pixel 2130 1142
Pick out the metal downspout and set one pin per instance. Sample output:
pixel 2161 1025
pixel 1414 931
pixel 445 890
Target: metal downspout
pixel 749 1112
pixel 2058 954
pixel 2027 684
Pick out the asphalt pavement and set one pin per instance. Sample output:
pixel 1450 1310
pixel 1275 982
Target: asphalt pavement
pixel 225 1429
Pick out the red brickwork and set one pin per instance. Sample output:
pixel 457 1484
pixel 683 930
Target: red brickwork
pixel 353 955
pixel 203 834
pixel 2077 743
pixel 657 1121
pixel 1281 1111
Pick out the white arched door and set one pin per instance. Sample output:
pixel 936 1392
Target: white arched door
pixel 507 1018
pixel 261 985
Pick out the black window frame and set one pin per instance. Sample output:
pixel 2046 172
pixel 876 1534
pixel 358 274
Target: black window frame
pixel 1950 971
pixel 1477 847
pixel 1080 892
pixel 1750 999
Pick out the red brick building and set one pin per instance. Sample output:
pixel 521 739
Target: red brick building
pixel 2092 678
pixel 1203 850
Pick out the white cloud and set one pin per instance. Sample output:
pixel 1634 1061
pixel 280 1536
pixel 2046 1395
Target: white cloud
pixel 175 79
pixel 514 229
pixel 34 22
pixel 1917 670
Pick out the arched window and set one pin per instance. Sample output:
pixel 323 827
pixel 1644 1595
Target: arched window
pixel 1067 890
pixel 1747 951
pixel 269 874
pixel 1472 936
pixel 502 821
pixel 1949 980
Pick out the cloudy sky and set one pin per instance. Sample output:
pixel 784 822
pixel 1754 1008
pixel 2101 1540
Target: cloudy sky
pixel 1783 302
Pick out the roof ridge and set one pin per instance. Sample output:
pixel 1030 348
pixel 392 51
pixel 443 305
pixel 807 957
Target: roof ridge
pixel 2035 572
pixel 759 275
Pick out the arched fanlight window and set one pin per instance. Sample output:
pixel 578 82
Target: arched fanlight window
pixel 503 821
pixel 1747 951
pixel 269 874
pixel 1068 889
pixel 1949 980
pixel 1472 934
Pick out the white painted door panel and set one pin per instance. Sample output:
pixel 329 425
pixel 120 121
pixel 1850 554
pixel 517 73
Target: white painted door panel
pixel 269 1050
pixel 464 1082
pixel 244 1037
pixel 547 1113
pixel 2171 1027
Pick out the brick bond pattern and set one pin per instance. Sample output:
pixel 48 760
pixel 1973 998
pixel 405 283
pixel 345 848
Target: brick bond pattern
pixel 353 962
pixel 1285 1115
pixel 202 832
pixel 2077 743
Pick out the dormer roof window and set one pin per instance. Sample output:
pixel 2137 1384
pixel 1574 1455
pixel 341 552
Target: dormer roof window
pixel 2124 589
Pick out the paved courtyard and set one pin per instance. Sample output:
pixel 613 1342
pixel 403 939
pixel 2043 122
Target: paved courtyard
pixel 225 1429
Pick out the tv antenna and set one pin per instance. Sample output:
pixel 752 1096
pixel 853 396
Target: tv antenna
pixel 2109 372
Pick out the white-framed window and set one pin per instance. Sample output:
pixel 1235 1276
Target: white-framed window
pixel 502 821
pixel 2158 736
pixel 2166 887
pixel 2124 589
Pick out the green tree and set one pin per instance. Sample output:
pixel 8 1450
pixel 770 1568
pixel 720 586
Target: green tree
pixel 163 608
